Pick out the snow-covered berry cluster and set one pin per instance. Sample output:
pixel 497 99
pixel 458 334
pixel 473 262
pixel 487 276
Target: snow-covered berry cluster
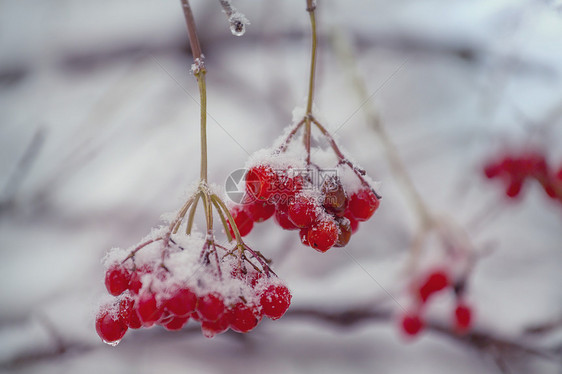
pixel 187 285
pixel 308 199
pixel 324 200
pixel 436 281
pixel 515 168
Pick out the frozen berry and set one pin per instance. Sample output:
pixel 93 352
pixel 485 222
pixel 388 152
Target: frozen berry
pixel 242 221
pixel 148 310
pixel 117 279
pixel 335 198
pixel 282 218
pixel 210 307
pixel 109 327
pixel 303 211
pixel 182 302
pixel 323 235
pixel 261 182
pixel 212 328
pixel 176 323
pixel 260 211
pixel 244 317
pixel 363 204
pixel 344 233
pixel 275 301
pixel 412 324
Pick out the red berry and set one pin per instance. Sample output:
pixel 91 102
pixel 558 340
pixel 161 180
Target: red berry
pixel 514 188
pixel 182 302
pixel 261 182
pixel 212 328
pixel 412 324
pixel 492 170
pixel 117 279
pixel 109 327
pixel 244 317
pixel 463 317
pixel 335 198
pixel 323 235
pixel 147 309
pixel 176 323
pixel 344 234
pixel 135 283
pixel 435 282
pixel 260 211
pixel 275 301
pixel 303 211
pixel 210 307
pixel 282 218
pixel 242 221
pixel 363 204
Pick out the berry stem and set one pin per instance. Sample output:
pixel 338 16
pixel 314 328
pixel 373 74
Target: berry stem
pixel 199 72
pixel 342 159
pixel 290 136
pixel 192 214
pixel 310 7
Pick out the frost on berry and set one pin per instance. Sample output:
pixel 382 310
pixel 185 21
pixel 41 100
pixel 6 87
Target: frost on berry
pixel 275 301
pixel 323 235
pixel 117 279
pixel 210 307
pixel 186 286
pixel 242 220
pixel 109 326
pixel 363 204
pixel 244 317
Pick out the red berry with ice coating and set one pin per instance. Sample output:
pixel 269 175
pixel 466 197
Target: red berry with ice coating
pixel 261 182
pixel 109 327
pixel 117 279
pixel 244 317
pixel 463 317
pixel 303 211
pixel 212 328
pixel 282 218
pixel 412 324
pixel 181 302
pixel 275 301
pixel 176 323
pixel 323 235
pixel 363 204
pixel 242 221
pixel 148 310
pixel 210 307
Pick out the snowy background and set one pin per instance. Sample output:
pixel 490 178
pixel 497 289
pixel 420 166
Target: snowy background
pixel 99 136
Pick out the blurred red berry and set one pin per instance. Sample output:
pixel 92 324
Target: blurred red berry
pixel 275 301
pixel 412 324
pixel 210 307
pixel 109 327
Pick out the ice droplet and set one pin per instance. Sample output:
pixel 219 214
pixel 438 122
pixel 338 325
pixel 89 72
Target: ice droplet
pixel 237 27
pixel 113 344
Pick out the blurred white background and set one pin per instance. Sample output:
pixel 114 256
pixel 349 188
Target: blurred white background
pixel 99 136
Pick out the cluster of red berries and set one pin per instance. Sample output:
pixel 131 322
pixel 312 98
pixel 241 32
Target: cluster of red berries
pixel 310 200
pixel 149 295
pixel 412 322
pixel 515 169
